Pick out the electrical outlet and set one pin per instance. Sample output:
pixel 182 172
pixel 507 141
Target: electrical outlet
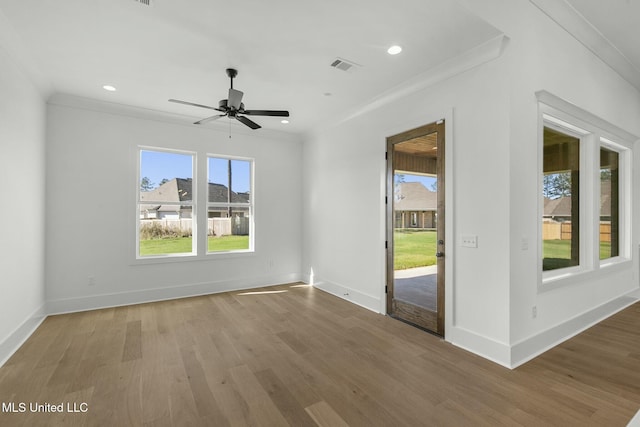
pixel 525 243
pixel 92 281
pixel 534 312
pixel 470 241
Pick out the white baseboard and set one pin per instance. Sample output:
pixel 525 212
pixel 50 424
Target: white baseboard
pixel 93 302
pixel 635 421
pixel 490 349
pixel 363 300
pixel 13 342
pixel 527 349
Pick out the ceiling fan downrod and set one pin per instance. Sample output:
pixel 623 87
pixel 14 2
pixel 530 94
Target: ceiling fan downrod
pixel 232 72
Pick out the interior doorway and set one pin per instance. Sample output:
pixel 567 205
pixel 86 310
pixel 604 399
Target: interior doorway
pixel 415 227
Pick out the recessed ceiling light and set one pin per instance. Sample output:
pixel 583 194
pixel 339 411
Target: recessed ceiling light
pixel 109 88
pixel 394 50
pixel 284 121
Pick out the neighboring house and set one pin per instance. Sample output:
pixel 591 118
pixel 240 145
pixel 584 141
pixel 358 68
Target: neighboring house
pixel 414 206
pixel 180 190
pixel 559 209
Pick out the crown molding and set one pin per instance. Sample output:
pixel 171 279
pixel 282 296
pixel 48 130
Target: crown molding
pixel 569 19
pixel 83 103
pixel 474 57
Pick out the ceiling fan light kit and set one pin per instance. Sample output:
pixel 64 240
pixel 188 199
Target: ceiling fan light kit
pixel 233 107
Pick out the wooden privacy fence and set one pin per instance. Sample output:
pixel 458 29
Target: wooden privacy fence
pixel 237 226
pixel 562 231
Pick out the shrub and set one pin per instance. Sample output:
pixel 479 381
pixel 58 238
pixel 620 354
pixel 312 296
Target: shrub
pixel 158 230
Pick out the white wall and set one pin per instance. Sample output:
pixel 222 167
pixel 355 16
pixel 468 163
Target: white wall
pixel 345 214
pixel 22 171
pixel 91 183
pixel 494 177
pixel 547 58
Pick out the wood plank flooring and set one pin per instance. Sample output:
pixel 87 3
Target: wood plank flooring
pixel 294 355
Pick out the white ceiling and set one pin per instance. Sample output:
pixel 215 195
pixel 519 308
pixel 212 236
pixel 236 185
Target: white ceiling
pixel 282 49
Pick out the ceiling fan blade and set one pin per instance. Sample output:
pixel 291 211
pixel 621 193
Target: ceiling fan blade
pixel 235 98
pixel 250 123
pixel 177 101
pixel 209 119
pixel 279 113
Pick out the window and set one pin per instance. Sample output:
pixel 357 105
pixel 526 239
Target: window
pixel 229 206
pixel 171 222
pixel 609 226
pixel 585 183
pixel 165 203
pixel 561 192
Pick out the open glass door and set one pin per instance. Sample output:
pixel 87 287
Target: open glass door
pixel 415 227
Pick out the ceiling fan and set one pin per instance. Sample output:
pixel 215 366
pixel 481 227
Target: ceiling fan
pixel 233 107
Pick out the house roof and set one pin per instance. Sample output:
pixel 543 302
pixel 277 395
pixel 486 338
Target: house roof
pixel 561 206
pixel 414 196
pixel 181 190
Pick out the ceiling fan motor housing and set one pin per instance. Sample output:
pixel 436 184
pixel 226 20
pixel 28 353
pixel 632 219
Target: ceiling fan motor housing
pixel 224 105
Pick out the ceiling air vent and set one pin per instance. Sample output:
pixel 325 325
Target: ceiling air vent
pixel 344 65
pixel 145 2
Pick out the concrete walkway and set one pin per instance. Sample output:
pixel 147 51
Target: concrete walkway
pixel 415 272
pixel 417 286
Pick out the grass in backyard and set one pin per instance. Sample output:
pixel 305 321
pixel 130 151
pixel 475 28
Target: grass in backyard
pixel 228 243
pixel 183 245
pixel 557 253
pixel 414 248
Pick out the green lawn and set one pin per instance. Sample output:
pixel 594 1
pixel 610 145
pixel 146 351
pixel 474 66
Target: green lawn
pixel 557 253
pixel 414 248
pixel 183 245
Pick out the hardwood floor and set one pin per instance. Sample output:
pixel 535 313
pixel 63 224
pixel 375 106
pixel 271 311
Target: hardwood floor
pixel 294 355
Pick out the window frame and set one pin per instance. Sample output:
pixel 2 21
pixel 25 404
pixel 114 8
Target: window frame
pixel 583 137
pixel 199 205
pixel 193 203
pixel 250 205
pixel 624 200
pixel 596 133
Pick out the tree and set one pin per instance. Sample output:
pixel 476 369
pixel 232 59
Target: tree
pixel 399 179
pixel 146 184
pixel 556 185
pixel 164 180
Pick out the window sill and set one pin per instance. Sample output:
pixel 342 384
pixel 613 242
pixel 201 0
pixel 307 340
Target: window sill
pixel 212 256
pixel 577 277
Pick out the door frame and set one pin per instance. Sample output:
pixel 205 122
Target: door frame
pixel 441 162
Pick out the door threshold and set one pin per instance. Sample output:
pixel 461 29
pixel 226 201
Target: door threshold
pixel 429 331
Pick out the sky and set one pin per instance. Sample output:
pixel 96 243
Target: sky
pixel 157 165
pixel 427 181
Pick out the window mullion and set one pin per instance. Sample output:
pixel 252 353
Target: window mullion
pixel 589 165
pixel 201 174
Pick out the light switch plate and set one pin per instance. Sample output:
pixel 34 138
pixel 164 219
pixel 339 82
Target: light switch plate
pixel 470 241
